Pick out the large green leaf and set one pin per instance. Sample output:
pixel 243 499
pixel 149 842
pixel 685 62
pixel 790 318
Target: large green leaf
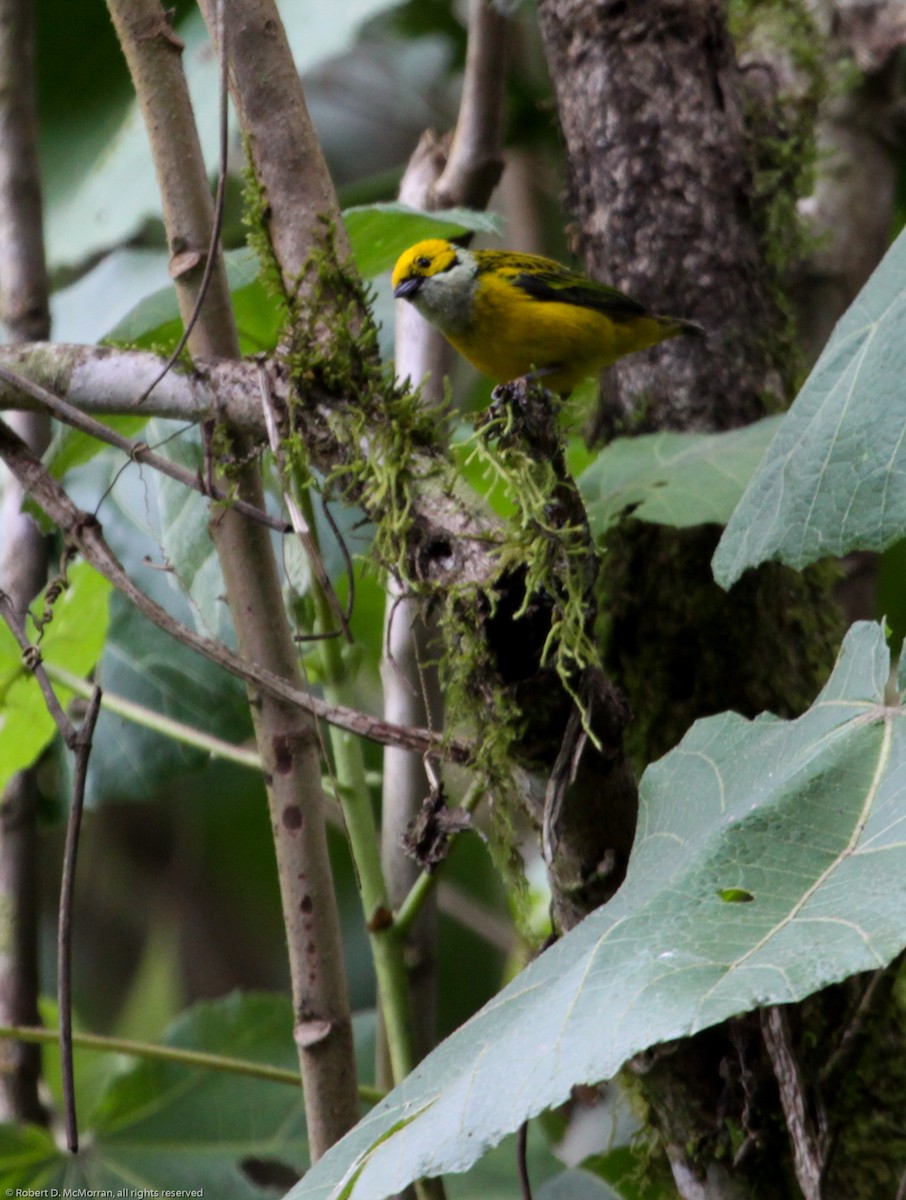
pixel 144 665
pixel 163 1125
pixel 184 533
pixel 74 639
pixel 139 661
pixel 379 233
pixel 770 860
pixel 833 478
pixel 675 479
pixel 153 320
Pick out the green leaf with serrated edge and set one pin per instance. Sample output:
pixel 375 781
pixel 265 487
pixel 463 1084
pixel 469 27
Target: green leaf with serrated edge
pixel 74 639
pixel 809 815
pixel 677 479
pixel 172 1126
pixel 834 478
pixel 379 233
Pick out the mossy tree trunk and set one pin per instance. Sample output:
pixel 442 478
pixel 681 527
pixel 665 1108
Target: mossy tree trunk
pixel 669 204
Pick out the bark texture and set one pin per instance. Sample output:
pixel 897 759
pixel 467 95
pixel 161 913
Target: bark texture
pixel 660 186
pixel 658 127
pixel 24 307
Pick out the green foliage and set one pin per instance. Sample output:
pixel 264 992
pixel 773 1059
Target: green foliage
pixel 96 151
pixel 170 1125
pixel 677 479
pixel 72 637
pixel 805 815
pixel 379 233
pixel 831 479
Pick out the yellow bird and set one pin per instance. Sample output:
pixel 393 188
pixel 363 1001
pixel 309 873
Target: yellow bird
pixel 515 314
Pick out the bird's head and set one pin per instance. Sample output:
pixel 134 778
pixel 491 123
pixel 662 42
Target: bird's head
pixel 439 279
pixel 422 261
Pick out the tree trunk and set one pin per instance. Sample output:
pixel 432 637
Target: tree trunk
pixel 662 151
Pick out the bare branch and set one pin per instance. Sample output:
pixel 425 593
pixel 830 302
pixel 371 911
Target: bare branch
pixel 79 742
pixel 138 451
pixel 286 734
pixel 807 1158
pixel 474 164
pixel 24 306
pixel 81 749
pixel 84 531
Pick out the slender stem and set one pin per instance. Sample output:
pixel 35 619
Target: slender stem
pixel 138 714
pixel 174 1054
pixel 364 842
pixel 82 751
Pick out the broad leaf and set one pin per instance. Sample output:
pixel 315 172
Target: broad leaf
pixel 189 552
pixel 165 1125
pixel 144 665
pixel 140 662
pixel 153 321
pixel 379 233
pixel 806 817
pixel 675 479
pixel 74 639
pixel 833 478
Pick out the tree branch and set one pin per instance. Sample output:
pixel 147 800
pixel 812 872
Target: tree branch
pixel 84 531
pixel 24 304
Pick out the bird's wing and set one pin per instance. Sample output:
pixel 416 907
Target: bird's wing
pixel 568 288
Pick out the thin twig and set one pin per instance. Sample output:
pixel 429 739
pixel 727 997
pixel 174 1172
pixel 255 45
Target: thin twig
pixel 807 1159
pixel 851 1030
pixel 82 752
pixel 138 451
pixel 138 714
pixel 172 1054
pixel 525 1186
pixel 79 743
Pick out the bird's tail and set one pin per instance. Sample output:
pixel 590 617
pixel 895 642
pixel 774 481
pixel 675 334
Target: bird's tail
pixel 674 327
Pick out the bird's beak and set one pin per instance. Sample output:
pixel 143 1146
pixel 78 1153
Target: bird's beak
pixel 408 288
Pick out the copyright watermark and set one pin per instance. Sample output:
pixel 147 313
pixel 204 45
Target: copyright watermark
pixel 84 1193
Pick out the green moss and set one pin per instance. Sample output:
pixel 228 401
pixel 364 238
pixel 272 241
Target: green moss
pixel 783 154
pixel 256 220
pixel 547 537
pixel 682 648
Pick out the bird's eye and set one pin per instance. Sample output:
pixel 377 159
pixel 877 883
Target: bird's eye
pixel 423 263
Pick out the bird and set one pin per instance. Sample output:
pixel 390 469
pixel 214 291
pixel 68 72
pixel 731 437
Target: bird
pixel 518 315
